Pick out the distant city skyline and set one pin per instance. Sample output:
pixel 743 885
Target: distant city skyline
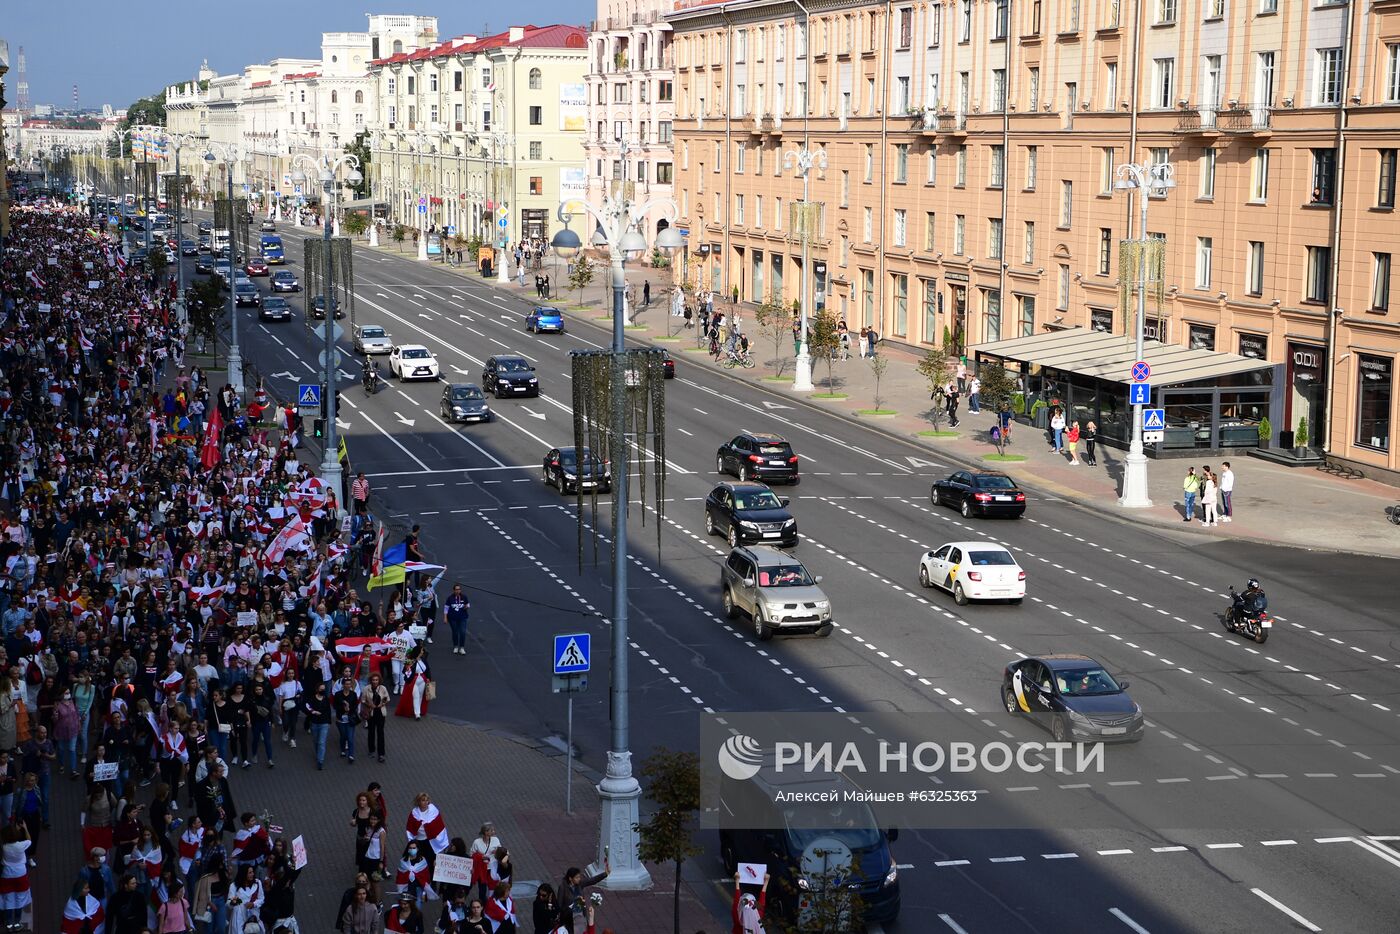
pixel 116 58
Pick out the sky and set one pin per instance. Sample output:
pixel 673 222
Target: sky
pixel 120 52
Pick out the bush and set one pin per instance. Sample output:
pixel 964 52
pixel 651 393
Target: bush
pixel 1300 437
pixel 1266 430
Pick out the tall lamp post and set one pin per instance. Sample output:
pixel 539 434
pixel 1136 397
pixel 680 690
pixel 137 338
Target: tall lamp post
pixel 421 191
pixel 179 139
pixel 228 154
pixel 499 141
pixel 1147 180
pixel 619 231
pixel 325 168
pixel 804 160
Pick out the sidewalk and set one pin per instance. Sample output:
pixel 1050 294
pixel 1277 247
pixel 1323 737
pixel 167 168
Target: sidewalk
pixel 1273 504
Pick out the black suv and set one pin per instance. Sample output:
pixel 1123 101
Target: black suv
pixel 758 455
pixel 749 512
pixel 562 469
pixel 509 376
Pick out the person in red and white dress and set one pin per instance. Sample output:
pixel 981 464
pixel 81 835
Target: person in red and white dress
pixel 500 909
pixel 14 873
pixel 83 914
pixel 415 873
pixel 404 918
pixel 425 822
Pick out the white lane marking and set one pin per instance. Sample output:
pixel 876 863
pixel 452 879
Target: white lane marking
pixel 955 926
pixel 1286 910
pixel 386 434
pixel 1132 925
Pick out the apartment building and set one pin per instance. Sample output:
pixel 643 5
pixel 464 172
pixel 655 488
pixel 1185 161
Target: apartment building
pixel 473 125
pixel 972 149
pixel 631 99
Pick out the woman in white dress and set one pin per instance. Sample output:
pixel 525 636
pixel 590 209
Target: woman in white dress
pixel 14 873
pixel 245 899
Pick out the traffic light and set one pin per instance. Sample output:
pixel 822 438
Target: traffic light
pixel 318 428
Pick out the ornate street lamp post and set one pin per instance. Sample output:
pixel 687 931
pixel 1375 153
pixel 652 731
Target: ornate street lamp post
pixel 804 160
pixel 229 155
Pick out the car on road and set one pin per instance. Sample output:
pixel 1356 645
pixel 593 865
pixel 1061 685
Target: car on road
pixel 275 308
pixel 749 512
pixel 565 469
pixel 668 365
pixel 758 455
pixel 973 571
pixel 267 224
pixel 412 361
pixel 372 339
pixel 189 248
pixel 1073 697
pixel 246 294
pixel 545 318
pixel 464 402
pixel 205 227
pixel 979 493
pixel 203 264
pixel 509 376
pixel 256 266
pixel 775 590
pixel 318 307
pixel 205 243
pixel 284 280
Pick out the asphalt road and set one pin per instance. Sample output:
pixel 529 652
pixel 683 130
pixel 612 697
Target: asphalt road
pixel 1260 800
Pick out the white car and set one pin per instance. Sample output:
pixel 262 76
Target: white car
pixel 973 571
pixel 371 339
pixel 413 361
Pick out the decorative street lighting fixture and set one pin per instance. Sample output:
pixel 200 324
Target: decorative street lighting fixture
pixel 228 155
pixel 1154 179
pixel 618 222
pixel 326 167
pixel 803 160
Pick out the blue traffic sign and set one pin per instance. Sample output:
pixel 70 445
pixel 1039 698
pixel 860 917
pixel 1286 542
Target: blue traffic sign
pixel 571 653
pixel 309 394
pixel 503 223
pixel 422 209
pixel 1141 371
pixel 1154 419
pixel 1140 394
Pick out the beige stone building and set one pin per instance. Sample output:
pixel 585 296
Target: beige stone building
pixel 972 148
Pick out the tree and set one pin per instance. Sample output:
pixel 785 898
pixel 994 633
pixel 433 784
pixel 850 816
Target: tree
pixel 824 341
pixel 831 905
pixel 934 368
pixel 878 365
pixel 203 302
pixel 359 148
pixel 773 321
pixel 998 387
pixel 356 223
pixel 400 234
pixel 158 262
pixel 672 781
pixel 580 276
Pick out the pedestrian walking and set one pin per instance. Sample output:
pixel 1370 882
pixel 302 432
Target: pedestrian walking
pixel 374 710
pixel 950 401
pixel 1190 488
pixel 974 395
pixel 1057 429
pixel 318 717
pixel 1227 488
pixel 455 612
pixel 863 342
pixel 1090 435
pixel 1072 443
pixel 1210 492
pixel 345 706
pixel 646 294
pixel 1006 420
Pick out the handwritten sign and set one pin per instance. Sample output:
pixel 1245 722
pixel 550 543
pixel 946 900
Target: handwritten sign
pixel 299 859
pixel 751 873
pixel 104 771
pixel 454 870
pixel 94 283
pixel 418 632
pixel 247 618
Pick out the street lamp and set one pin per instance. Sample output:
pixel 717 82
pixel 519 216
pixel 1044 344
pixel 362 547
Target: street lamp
pixel 1154 179
pixel 228 154
pixel 325 168
pixel 422 191
pixel 803 160
pixel 180 139
pixel 618 221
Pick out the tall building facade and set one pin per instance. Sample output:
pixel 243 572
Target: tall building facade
pixel 631 99
pixel 972 150
pixel 473 126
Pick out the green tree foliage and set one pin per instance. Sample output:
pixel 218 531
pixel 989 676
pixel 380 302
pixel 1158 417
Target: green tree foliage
pixel 775 322
pixel 359 148
pixel 672 782
pixel 824 341
pixel 581 276
pixel 204 302
pixel 356 223
pixel 400 234
pixel 998 387
pixel 934 368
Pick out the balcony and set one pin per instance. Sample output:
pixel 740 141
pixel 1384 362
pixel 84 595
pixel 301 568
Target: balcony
pixel 1197 121
pixel 954 124
pixel 1241 119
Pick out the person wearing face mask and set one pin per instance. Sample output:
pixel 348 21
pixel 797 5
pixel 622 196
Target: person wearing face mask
pixel 66 724
pixel 415 873
pixel 318 714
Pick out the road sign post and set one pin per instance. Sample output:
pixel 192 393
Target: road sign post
pixel 1154 426
pixel 1141 371
pixel 572 659
pixel 1140 394
pixel 309 399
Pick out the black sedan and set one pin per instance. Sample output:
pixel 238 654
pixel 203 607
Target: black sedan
pixel 509 376
pixel 749 512
pixel 565 469
pixel 204 264
pixel 979 493
pixel 1073 697
pixel 758 455
pixel 274 308
pixel 189 248
pixel 318 307
pixel 205 227
pixel 464 402
pixel 668 365
pixel 284 280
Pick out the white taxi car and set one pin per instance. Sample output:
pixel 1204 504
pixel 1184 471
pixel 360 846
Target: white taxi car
pixel 973 571
pixel 412 361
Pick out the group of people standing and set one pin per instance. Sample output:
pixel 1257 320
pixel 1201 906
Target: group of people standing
pixel 1215 492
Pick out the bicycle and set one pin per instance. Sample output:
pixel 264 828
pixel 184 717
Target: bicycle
pixel 733 358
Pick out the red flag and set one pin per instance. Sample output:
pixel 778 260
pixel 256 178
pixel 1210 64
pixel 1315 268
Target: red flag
pixel 210 455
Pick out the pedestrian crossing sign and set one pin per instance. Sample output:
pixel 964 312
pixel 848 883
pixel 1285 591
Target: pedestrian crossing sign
pixel 1154 419
pixel 309 394
pixel 571 653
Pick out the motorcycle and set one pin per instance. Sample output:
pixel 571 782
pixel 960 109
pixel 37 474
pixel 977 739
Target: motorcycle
pixel 1256 626
pixel 371 381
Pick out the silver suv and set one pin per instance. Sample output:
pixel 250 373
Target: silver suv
pixel 775 590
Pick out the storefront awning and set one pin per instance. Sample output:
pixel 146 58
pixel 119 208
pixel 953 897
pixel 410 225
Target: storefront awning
pixel 363 204
pixel 1111 357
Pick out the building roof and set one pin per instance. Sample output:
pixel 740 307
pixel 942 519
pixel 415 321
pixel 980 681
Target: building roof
pixel 557 36
pixel 302 76
pixel 1111 357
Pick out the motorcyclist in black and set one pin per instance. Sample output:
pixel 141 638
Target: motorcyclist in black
pixel 370 374
pixel 1252 602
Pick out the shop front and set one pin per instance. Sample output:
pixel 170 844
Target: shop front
pixel 1212 401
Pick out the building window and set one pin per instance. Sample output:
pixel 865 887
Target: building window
pixel 935 24
pixel 1035 18
pixel 867 289
pixel 740 150
pixel 739 210
pixel 869 162
pixel 930 231
pixel 930 334
pixel 902 99
pixel 1208 158
pixel 1166 11
pixel 1375 376
pixel 536 79
pixel 901 305
pixel 1200 337
pixel 1062 292
pixel 1032 166
pixel 1101 320
pixel 965 21
pixel 900 226
pixel 536 150
pixel 868 226
pixel 1028 256
pixel 997 173
pixel 1108 164
pixel 845 188
pixel 432 82
pixel 1268 6
pixel 998 90
pixel 1319 271
pixel 777 213
pixel 1110 84
pixel 536 116
pixel 931 167
pixel 1254 346
pixel 1254 274
pixel 1163 83
pixel 901 163
pixel 741 96
pixel 1034 86
pixel 433 113
pixel 1259 176
pixel 1385 188
pixel 959 234
pixel 1066 203
pixel 758 211
pixel 1392 71
pixel 391 85
pixel 1328 78
pixel 1205 247
pixel 994 237
pixel 960 168
pixel 991 301
pixel 1380 282
pixel 536 185
pixel 393 115
pixel 1026 306
pixel 410 80
pixel 1105 250
pixel 845 253
pixel 663 173
pixel 1324 175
